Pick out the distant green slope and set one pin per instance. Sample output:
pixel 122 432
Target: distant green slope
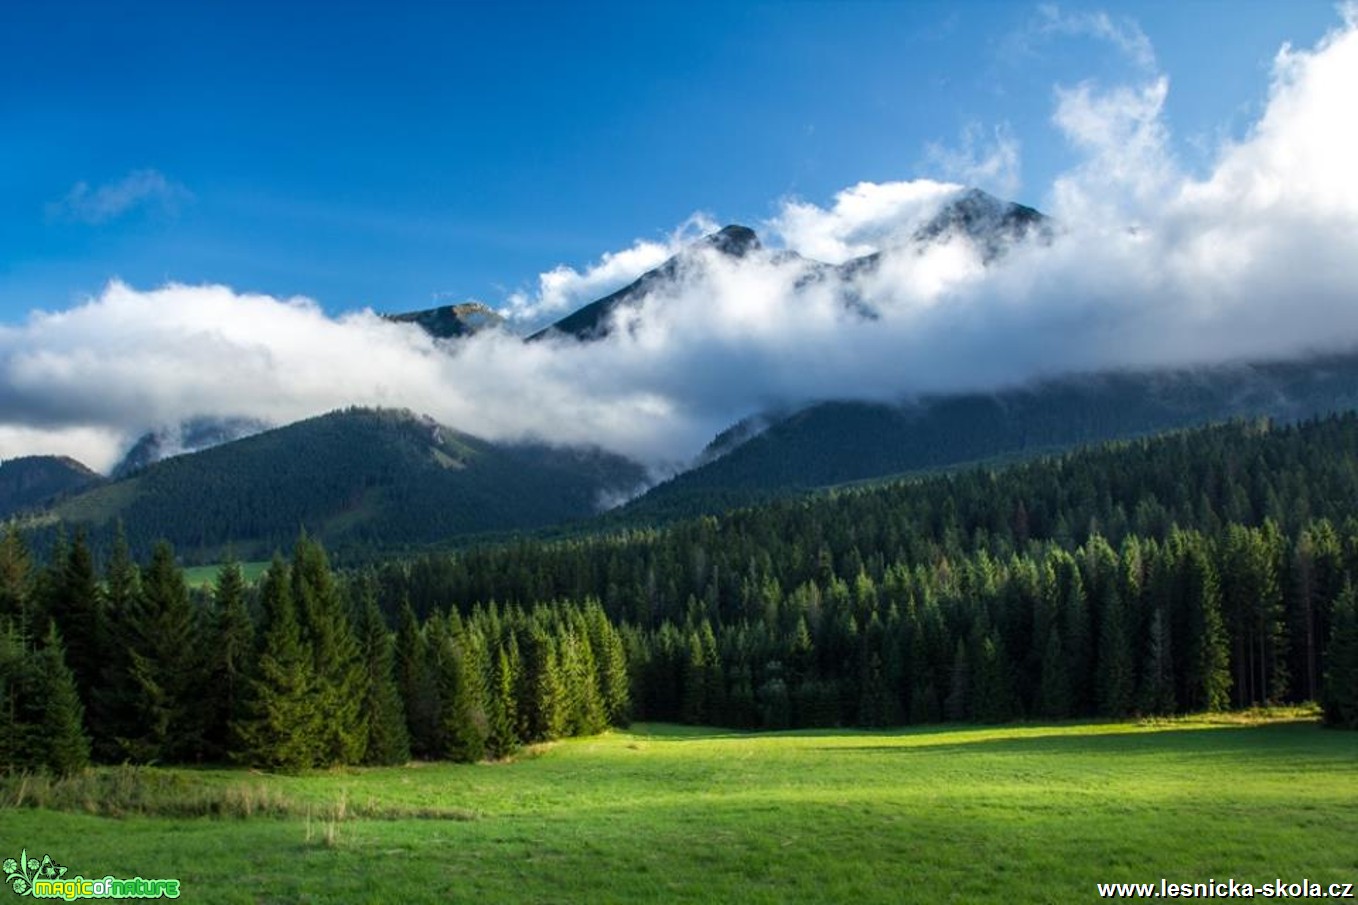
pixel 29 481
pixel 357 479
pixel 842 442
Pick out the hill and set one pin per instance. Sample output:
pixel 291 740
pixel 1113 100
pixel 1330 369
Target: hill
pixel 28 482
pixel 841 442
pixel 369 479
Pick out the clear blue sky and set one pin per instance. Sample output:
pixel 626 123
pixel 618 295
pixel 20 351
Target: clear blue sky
pixel 395 155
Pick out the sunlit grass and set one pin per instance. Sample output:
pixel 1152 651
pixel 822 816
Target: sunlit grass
pixel 665 813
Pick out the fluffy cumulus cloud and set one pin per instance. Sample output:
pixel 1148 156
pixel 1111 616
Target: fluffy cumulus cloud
pixel 1148 266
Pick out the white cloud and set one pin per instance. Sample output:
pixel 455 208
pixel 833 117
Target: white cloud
pixel 1124 35
pixel 988 162
pixel 1259 258
pixel 862 219
pixel 139 190
pixel 563 288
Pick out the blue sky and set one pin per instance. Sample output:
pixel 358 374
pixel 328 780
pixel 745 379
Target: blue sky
pixel 403 155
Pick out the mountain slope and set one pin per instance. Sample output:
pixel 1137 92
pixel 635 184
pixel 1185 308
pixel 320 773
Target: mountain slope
pixel 990 224
pixel 30 481
pixel 451 321
pixel 592 321
pixel 356 479
pixel 192 435
pixel 839 442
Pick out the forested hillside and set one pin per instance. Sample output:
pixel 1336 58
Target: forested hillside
pixel 360 480
pixel 839 442
pixel 1199 571
pixel 1184 572
pixel 30 481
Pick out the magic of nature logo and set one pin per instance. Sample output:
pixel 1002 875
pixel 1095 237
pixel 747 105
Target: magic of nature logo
pixel 46 879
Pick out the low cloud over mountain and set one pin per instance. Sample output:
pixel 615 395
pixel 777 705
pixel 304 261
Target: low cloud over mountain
pixel 1147 265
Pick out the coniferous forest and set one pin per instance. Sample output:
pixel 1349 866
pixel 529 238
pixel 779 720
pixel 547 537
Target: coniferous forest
pixel 1207 570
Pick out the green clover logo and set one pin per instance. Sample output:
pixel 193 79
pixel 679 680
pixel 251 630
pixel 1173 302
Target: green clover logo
pixel 20 874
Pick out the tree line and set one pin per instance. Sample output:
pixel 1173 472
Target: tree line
pixel 300 671
pixel 1199 571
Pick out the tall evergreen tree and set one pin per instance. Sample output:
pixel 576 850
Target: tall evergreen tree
pixel 79 613
pixel 1341 663
pixel 416 682
pixel 337 666
pixel 16 575
pixel 229 658
pixel 113 711
pixel 387 737
pixel 167 676
pixel 66 747
pixel 283 722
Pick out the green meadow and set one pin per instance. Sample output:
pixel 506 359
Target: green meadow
pixel 1033 813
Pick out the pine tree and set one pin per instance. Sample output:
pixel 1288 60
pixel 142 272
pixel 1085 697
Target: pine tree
pixel 1157 683
pixel 957 706
pixel 463 725
pixel 79 613
pixel 66 746
pixel 337 668
pixel 16 575
pixel 1054 695
pixel 416 682
pixel 612 661
pixel 388 739
pixel 20 725
pixel 1208 675
pixel 282 726
pixel 230 656
pixel 1341 663
pixel 167 687
pixel 1117 676
pixel 546 710
pixel 502 739
pixel 113 715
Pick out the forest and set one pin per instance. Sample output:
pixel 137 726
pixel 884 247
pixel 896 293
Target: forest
pixel 1197 571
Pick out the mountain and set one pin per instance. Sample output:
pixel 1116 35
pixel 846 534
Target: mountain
pixel 189 436
pixel 451 321
pixel 991 224
pixel 592 321
pixel 31 481
pixel 840 442
pixel 358 479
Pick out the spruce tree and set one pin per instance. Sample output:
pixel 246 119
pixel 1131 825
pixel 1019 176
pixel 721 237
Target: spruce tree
pixel 502 738
pixel 388 738
pixel 19 693
pixel 1117 675
pixel 463 725
pixel 167 686
pixel 1341 663
pixel 230 657
pixel 66 747
pixel 16 576
pixel 113 715
pixel 1157 683
pixel 282 726
pixel 76 606
pixel 416 682
pixel 336 665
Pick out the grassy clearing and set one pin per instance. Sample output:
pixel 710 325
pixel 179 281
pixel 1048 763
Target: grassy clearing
pixel 673 814
pixel 206 576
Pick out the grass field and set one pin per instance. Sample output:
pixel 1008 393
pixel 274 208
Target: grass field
pixel 206 576
pixel 670 814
